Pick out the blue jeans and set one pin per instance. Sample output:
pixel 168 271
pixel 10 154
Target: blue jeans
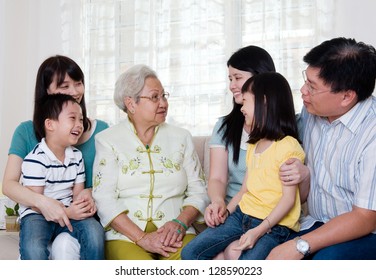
pixel 212 241
pixel 36 233
pixel 363 248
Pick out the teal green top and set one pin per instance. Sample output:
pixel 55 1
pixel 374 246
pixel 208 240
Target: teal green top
pixel 24 140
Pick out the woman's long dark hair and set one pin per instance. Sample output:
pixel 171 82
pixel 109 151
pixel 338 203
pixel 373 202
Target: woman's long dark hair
pixel 274 114
pixel 60 66
pixel 254 60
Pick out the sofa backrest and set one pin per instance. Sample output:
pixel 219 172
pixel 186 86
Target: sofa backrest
pixel 202 147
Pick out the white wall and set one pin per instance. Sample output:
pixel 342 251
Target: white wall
pixel 30 31
pixel 356 19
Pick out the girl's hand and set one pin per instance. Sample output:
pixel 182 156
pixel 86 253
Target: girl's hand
pixel 215 214
pixel 248 240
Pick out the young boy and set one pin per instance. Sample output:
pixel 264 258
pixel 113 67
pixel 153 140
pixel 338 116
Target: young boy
pixel 56 169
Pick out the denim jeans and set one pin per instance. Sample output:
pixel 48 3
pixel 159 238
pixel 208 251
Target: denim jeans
pixel 212 241
pixel 36 233
pixel 363 248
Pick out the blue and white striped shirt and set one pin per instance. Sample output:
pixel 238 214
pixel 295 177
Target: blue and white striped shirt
pixel 341 157
pixel 42 168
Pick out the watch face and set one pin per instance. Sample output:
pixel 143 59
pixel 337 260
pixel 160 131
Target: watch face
pixel 302 246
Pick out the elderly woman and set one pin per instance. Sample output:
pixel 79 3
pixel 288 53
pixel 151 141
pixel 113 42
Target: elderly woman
pixel 148 182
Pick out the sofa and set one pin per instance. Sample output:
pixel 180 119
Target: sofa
pixel 202 147
pixel 9 241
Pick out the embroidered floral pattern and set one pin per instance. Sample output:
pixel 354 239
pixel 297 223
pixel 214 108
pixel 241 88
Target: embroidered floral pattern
pixel 160 215
pixel 138 214
pixel 157 149
pixel 139 170
pixel 134 163
pixel 124 169
pixel 97 180
pixel 172 163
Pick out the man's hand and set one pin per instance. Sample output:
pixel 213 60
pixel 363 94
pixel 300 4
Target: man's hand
pixel 293 172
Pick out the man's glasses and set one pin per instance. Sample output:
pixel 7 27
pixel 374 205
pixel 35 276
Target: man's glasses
pixel 311 90
pixel 155 98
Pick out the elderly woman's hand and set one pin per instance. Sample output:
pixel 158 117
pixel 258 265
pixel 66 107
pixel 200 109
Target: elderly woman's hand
pixel 171 234
pixel 151 243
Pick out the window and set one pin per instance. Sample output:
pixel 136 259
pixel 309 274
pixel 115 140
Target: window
pixel 188 43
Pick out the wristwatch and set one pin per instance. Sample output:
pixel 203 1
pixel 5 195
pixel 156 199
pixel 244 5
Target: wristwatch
pixel 302 246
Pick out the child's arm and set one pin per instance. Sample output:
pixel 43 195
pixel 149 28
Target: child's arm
pixel 77 189
pixel 285 204
pixel 293 172
pixel 287 201
pixel 82 207
pixel 236 198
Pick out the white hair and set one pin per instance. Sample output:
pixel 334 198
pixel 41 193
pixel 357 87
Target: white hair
pixel 131 83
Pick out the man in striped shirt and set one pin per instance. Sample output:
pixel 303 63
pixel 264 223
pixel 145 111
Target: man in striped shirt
pixel 56 169
pixel 339 138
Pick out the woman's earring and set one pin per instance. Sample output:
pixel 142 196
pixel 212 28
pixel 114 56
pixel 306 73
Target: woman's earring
pixel 132 111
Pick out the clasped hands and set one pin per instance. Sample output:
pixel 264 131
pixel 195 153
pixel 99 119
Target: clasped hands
pixel 215 214
pixel 167 239
pixel 80 209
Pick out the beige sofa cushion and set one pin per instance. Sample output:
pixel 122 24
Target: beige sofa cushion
pixel 202 147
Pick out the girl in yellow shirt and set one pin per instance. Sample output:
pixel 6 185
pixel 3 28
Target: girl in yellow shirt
pixel 264 212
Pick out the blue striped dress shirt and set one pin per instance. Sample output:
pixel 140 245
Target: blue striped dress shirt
pixel 341 157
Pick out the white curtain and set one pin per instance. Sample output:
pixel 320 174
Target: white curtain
pixel 188 43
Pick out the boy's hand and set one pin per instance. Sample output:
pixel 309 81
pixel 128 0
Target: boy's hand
pixel 79 210
pixel 86 195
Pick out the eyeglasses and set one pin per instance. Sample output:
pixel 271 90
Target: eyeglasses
pixel 157 98
pixel 311 90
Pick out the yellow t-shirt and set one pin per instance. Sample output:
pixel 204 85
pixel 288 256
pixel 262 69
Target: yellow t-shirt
pixel 264 188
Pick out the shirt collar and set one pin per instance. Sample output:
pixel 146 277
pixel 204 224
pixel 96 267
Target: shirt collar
pixel 355 116
pixel 131 126
pixel 69 153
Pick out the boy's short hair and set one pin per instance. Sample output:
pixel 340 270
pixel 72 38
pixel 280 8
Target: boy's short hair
pixel 49 107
